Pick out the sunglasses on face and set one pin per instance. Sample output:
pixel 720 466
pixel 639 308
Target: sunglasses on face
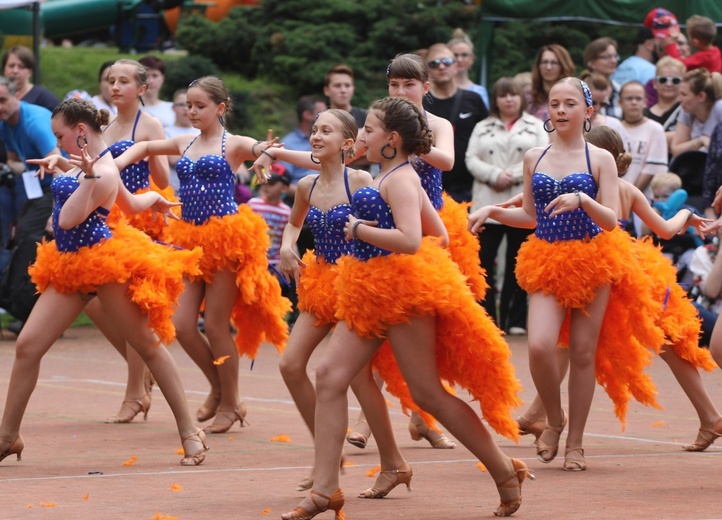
pixel 462 54
pixel 674 80
pixel 434 64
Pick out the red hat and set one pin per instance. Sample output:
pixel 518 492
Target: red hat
pixel 659 20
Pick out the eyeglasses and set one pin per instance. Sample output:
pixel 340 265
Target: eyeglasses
pixel 675 80
pixel 633 99
pixel 600 104
pixel 462 54
pixel 434 64
pixel 549 63
pixel 608 57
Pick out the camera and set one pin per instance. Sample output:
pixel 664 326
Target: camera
pixel 7 177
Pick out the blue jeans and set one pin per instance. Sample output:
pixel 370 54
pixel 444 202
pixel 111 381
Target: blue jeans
pixel 708 322
pixel 11 202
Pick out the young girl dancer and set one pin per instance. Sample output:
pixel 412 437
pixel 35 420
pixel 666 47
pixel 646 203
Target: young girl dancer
pixel 136 280
pixel 562 184
pixel 674 315
pixel 235 285
pixel 128 82
pixel 406 288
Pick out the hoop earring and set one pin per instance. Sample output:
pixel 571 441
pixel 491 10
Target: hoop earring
pixel 587 125
pixel 387 145
pixel 546 129
pixel 223 123
pixel 77 141
pixel 314 160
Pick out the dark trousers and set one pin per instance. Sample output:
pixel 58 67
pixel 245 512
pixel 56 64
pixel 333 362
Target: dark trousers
pixel 513 304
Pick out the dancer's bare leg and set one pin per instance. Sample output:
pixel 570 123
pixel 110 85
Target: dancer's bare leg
pixel 195 343
pixel 220 297
pixel 52 314
pixel 414 345
pixel 535 412
pixel 303 340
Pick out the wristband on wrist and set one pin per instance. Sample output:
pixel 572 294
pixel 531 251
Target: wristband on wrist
pixel 579 196
pixel 253 149
pixel 354 228
pixel 86 176
pixel 268 154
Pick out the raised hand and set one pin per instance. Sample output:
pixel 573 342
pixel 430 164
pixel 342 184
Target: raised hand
pixel 85 162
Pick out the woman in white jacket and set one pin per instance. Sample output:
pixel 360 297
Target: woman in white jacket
pixel 494 157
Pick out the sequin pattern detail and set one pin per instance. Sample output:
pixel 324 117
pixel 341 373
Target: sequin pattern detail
pixel 91 231
pixel 206 186
pixel 430 180
pixel 367 204
pixel 328 232
pixel 134 176
pixel 571 225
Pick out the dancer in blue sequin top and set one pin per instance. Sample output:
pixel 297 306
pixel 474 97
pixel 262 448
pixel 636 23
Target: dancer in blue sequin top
pixel 87 260
pixel 571 197
pixel 234 284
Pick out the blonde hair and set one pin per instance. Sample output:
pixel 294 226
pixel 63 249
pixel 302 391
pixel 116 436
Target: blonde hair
pixel 670 62
pixel 608 139
pixel 666 180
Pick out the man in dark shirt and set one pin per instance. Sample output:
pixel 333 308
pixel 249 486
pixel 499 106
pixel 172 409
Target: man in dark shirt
pixel 462 108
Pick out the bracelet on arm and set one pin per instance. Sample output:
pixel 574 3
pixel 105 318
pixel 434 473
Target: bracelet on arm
pixel 579 196
pixel 253 149
pixel 354 229
pixel 86 176
pixel 268 154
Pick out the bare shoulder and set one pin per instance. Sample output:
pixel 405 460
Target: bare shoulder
pixel 437 123
pixel 149 128
pixel 359 178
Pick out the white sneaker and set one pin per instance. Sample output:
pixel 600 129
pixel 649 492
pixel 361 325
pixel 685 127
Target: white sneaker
pixel 517 331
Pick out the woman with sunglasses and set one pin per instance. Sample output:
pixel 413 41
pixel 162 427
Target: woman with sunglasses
pixel 699 97
pixel 463 109
pixel 463 50
pixel 667 84
pixel 551 64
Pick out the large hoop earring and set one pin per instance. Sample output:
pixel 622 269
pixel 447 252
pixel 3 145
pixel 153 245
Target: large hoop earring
pixel 546 129
pixel 314 160
pixel 77 141
pixel 387 145
pixel 587 125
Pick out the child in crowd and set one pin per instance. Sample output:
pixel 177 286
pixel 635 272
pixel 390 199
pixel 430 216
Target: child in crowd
pixel 182 125
pixel 269 205
pixel 701 32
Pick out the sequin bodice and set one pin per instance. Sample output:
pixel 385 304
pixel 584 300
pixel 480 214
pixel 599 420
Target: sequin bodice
pixel 91 231
pixel 206 186
pixel 328 231
pixel 134 176
pixel 367 204
pixel 571 225
pixel 430 180
pixel 329 238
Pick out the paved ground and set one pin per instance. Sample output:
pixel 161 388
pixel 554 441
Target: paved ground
pixel 72 466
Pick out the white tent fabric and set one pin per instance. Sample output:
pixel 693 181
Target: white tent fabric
pixel 12 4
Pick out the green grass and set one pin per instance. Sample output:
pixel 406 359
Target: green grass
pixel 81 321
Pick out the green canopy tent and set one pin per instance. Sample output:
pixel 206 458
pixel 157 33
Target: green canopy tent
pixel 616 12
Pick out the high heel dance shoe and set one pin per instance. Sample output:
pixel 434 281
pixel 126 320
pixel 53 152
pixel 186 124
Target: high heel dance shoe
pixel 357 438
pixel 705 437
pixel 576 463
pixel 335 503
pixel 550 434
pixel 509 507
pixel 436 439
pixel 531 428
pixel 392 479
pixel 206 413
pixel 199 456
pixel 131 408
pixel 15 447
pixel 239 414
